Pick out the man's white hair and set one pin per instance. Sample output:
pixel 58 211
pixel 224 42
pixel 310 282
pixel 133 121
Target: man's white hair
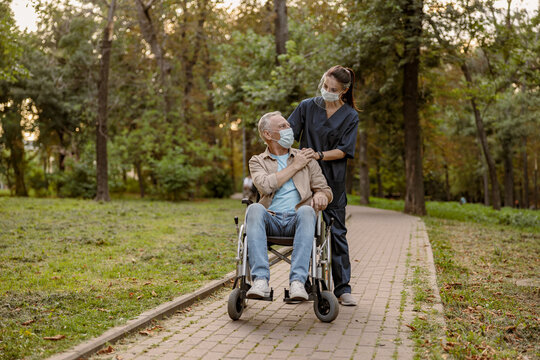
pixel 263 122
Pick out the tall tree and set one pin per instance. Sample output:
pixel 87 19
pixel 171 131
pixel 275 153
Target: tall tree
pixel 103 93
pixel 150 35
pixel 414 191
pixel 462 25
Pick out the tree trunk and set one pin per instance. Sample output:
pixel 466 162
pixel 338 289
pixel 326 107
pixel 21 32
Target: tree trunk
pixel 103 93
pixel 281 26
pixel 363 168
pixel 485 179
pixel 535 190
pixel 140 178
pixel 446 181
pixel 379 178
pixel 525 176
pixel 414 191
pixel 149 33
pixel 508 175
pixel 189 63
pixel 11 127
pixel 495 192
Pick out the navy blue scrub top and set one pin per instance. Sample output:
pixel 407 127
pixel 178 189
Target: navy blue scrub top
pixel 314 130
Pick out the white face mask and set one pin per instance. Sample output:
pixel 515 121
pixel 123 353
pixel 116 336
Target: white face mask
pixel 286 138
pixel 329 96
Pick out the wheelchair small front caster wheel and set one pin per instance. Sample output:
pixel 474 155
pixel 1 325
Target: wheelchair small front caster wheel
pixel 327 308
pixel 236 304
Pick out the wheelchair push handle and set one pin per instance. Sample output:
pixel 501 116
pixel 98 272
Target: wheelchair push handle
pixel 236 220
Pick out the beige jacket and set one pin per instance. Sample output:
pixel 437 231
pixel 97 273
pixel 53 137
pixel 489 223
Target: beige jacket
pixel 308 181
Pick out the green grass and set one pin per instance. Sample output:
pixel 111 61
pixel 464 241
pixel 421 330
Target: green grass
pixel 527 220
pixel 488 268
pixel 77 267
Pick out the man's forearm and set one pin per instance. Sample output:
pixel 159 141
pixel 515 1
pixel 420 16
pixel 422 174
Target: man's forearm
pixel 284 175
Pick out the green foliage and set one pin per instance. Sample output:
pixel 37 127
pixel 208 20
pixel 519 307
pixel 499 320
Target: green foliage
pixel 78 181
pixel 176 177
pixel 10 50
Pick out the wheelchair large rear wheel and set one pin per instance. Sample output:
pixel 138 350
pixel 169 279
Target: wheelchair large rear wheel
pixel 327 308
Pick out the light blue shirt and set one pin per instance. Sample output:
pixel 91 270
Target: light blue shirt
pixel 287 196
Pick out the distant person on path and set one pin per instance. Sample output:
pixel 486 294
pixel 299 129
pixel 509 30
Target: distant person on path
pixel 292 188
pixel 326 127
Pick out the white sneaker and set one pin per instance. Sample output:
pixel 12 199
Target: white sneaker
pixel 298 291
pixel 347 299
pixel 259 289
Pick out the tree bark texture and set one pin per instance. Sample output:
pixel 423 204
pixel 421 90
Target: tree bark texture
pixel 525 176
pixel 482 137
pixel 446 181
pixel 103 94
pixel 414 192
pixel 138 169
pixel 535 181
pixel 11 126
pixel 485 182
pixel 281 26
pixel 363 168
pixel 508 175
pixel 149 33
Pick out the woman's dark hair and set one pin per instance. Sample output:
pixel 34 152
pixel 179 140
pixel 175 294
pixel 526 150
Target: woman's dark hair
pixel 346 77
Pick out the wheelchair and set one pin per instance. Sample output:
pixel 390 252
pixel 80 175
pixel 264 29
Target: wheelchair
pixel 318 286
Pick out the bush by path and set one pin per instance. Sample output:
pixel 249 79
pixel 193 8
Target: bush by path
pixel 73 268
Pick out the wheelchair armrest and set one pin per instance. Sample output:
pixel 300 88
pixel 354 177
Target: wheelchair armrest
pixel 247 201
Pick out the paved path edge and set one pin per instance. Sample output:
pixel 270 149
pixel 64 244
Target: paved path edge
pixel 90 347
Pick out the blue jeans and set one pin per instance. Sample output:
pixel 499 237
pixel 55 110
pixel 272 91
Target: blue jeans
pixel 300 224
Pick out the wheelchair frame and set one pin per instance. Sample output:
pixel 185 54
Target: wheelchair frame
pixel 325 303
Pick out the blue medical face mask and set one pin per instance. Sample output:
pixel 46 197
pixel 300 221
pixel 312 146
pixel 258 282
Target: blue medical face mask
pixel 286 138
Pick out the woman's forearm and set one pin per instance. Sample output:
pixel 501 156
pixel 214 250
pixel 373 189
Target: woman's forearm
pixel 335 154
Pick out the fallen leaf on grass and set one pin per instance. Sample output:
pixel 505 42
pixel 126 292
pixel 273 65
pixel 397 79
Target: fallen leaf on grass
pixel 147 283
pixel 104 310
pixel 54 338
pixel 510 329
pixel 410 327
pixel 28 322
pixel 139 297
pixel 154 293
pixel 106 350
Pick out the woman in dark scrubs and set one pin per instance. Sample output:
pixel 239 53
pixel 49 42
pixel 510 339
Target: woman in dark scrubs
pixel 328 125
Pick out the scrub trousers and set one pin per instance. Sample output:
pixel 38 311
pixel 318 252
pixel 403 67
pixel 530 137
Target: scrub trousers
pixel 341 265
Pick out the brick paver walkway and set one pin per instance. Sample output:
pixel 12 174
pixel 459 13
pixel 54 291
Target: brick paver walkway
pixel 384 245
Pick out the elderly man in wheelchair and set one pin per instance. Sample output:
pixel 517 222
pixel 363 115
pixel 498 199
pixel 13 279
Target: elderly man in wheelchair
pixel 292 189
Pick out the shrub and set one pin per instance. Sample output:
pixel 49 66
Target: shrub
pixel 177 179
pixel 78 180
pixel 218 184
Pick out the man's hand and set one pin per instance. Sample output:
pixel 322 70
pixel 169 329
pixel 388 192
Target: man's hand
pixel 319 201
pixel 300 160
